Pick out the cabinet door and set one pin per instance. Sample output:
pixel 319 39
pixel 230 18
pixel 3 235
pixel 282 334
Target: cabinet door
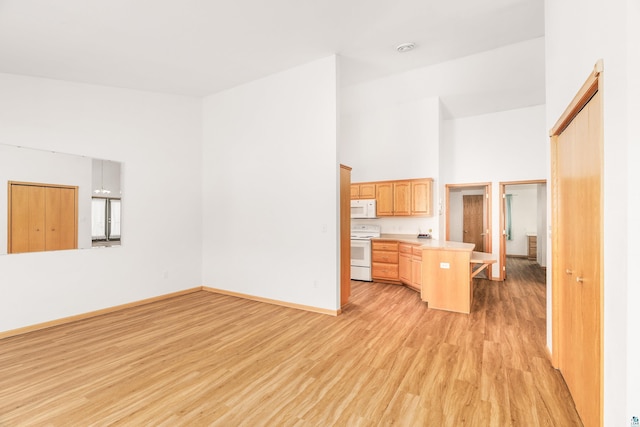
pixel 60 218
pixel 402 198
pixel 384 271
pixel 367 191
pixel 355 191
pixel 404 268
pixel 416 272
pixel 27 219
pixel 384 197
pixel 421 197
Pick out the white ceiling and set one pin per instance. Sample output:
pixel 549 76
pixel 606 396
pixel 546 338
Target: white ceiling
pixel 199 47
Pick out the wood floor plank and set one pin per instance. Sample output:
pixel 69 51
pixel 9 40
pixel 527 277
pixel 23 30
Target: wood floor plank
pixel 204 359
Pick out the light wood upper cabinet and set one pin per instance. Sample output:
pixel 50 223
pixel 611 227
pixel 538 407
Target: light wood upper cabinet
pixel 363 190
pixel 402 198
pixel 384 198
pixel 421 197
pixel 407 197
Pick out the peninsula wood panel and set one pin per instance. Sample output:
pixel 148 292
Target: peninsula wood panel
pixel 446 280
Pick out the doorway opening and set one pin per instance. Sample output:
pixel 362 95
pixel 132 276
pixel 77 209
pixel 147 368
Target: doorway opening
pixel 523 222
pixel 468 220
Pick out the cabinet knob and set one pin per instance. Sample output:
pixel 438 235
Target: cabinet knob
pixel 580 279
pixel 568 271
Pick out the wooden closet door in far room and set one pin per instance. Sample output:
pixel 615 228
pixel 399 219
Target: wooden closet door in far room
pixel 27 219
pixel 42 217
pixel 60 218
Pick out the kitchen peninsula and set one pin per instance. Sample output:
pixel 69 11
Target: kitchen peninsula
pixel 442 271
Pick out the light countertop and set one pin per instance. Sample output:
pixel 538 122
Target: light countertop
pixel 428 243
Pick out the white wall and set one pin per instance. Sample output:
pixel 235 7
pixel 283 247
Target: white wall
pixel 157 137
pixel 395 140
pixel 270 191
pixel 505 146
pixel 385 134
pixel 404 225
pixel 578 33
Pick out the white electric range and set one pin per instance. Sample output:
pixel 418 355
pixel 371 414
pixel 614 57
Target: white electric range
pixel 361 235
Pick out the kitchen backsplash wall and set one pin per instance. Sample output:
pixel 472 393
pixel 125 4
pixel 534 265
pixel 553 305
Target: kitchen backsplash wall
pixel 398 225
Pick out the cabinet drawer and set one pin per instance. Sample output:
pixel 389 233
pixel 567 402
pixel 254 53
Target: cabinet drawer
pixel 404 248
pixel 416 252
pixel 384 245
pixel 384 271
pixel 384 256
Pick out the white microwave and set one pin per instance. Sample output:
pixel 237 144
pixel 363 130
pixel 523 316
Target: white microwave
pixel 364 208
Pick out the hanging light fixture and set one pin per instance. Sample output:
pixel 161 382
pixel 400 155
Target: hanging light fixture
pixel 102 189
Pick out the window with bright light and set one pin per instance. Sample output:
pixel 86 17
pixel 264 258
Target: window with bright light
pixel 105 219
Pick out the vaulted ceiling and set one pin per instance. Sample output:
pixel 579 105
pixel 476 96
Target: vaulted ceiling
pixel 199 47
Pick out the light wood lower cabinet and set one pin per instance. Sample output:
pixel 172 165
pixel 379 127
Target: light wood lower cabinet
pixel 410 265
pixel 384 261
pixel 404 263
pixel 416 268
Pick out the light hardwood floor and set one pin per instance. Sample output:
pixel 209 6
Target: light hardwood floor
pixel 208 359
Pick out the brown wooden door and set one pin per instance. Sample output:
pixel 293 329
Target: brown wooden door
pixel 472 221
pixel 578 284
